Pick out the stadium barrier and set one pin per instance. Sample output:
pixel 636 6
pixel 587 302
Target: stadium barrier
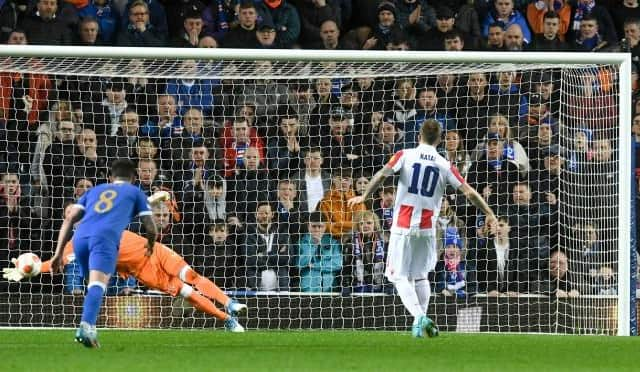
pixel 529 314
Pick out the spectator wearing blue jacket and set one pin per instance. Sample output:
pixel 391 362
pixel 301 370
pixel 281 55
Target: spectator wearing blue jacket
pixel 504 12
pixel 320 257
pixel 106 16
pixel 426 108
pixel 191 93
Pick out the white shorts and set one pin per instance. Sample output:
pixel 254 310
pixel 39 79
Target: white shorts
pixel 410 256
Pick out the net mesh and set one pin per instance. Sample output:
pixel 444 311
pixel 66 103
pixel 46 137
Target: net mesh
pixel 250 149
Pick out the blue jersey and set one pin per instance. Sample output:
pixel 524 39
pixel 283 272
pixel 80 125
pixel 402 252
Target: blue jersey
pixel 109 208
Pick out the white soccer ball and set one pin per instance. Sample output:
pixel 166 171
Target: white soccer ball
pixel 28 264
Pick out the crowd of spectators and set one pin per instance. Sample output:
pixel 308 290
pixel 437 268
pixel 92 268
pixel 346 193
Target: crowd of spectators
pixel 260 170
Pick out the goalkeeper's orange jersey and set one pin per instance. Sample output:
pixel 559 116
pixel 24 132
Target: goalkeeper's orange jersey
pixel 131 257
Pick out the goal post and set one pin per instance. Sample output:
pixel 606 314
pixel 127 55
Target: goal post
pixel 84 69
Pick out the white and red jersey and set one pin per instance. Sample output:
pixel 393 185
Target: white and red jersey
pixel 424 175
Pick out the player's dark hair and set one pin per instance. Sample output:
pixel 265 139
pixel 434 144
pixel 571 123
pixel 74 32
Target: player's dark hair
pixel 431 131
pixel 123 168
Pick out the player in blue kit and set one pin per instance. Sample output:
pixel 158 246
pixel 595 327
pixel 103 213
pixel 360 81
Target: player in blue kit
pixel 104 212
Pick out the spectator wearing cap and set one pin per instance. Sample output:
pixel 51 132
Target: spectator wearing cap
pixel 192 29
pixel 537 113
pixel 539 14
pixel 139 30
pixel 266 35
pixel 285 18
pixel 334 207
pixel 46 26
pixel 503 11
pixel 156 16
pixel 433 39
pixel 451 269
pixel 203 204
pixel 550 38
pixel 494 171
pixel 542 83
pixel 105 17
pixel 339 145
pixel 312 15
pixel 513 149
pixel 385 27
pixel 243 35
pixel 495 37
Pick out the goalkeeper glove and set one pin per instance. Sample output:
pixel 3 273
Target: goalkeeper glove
pixel 158 197
pixel 11 273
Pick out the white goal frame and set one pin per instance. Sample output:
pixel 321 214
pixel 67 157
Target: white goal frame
pixel 626 323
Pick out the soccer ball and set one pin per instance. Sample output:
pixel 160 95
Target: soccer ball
pixel 28 264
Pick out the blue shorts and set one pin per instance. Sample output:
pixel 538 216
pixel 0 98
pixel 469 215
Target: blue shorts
pixel 95 253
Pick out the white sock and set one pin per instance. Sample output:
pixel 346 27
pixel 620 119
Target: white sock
pixel 407 293
pixel 423 290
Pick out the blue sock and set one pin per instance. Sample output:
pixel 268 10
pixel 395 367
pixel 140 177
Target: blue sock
pixel 92 303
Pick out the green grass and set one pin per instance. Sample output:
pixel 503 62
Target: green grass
pixel 35 350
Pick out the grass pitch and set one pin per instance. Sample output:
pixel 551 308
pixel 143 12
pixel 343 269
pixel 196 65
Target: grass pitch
pixel 37 350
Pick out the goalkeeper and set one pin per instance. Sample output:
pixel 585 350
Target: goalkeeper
pixel 165 271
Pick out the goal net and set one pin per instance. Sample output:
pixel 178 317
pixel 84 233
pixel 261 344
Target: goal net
pixel 261 153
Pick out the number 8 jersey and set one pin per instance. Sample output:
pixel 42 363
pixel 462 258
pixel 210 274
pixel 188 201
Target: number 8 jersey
pixel 424 175
pixel 109 208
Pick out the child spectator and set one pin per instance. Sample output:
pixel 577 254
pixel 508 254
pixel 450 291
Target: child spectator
pixel 366 259
pixel 451 273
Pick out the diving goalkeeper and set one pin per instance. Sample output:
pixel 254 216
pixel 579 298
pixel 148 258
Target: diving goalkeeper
pixel 165 271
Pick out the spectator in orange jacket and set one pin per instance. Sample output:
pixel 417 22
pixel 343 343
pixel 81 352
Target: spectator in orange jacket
pixel 334 204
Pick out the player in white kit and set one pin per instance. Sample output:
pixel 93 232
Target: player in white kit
pixel 424 175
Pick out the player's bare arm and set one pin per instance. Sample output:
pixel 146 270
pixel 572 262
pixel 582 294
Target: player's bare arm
pixel 151 232
pixel 64 236
pixel 373 185
pixel 476 199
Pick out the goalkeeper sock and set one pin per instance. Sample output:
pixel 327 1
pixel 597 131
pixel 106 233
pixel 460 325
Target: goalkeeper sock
pixel 92 302
pixel 205 286
pixel 423 290
pixel 206 306
pixel 407 293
